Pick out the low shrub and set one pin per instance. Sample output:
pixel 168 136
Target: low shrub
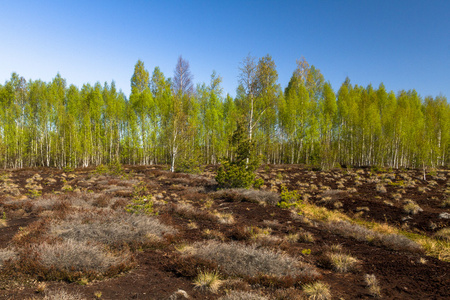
pixel 141 205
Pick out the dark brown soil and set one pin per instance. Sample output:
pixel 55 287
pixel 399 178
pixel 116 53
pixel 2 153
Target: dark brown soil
pixel 402 275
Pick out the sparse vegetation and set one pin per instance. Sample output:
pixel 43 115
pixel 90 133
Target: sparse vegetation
pixel 112 224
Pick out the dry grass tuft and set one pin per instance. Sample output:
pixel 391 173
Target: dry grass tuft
pixel 62 295
pixel 208 281
pixel 372 285
pixel 411 207
pixel 242 260
pixel 341 262
pixel 7 254
pixel 72 256
pixel 360 233
pixel 112 228
pixel 445 203
pixel 443 234
pixel 317 291
pixel 213 235
pixel 300 237
pixel 249 195
pixel 242 295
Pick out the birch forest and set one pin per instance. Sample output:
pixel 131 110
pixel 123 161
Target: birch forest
pixel 171 120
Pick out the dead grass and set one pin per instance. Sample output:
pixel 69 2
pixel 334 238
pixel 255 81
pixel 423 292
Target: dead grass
pixel 360 233
pixel 243 295
pixel 443 234
pixel 372 285
pixel 342 262
pixel 7 254
pixel 445 203
pixel 249 195
pixel 62 295
pixel 72 256
pixel 208 281
pixel 113 228
pixel 411 207
pixel 241 260
pixel 317 291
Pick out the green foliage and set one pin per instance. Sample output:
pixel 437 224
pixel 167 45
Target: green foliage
pixel 141 205
pixel 258 182
pixel 114 169
pixel 68 169
pixel 397 183
pixel 289 198
pixel 54 124
pixel 239 172
pixel 34 193
pixel 306 251
pixel 189 165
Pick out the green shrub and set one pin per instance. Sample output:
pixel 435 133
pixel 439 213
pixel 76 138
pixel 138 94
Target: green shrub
pixel 141 205
pixel 239 172
pixel 189 165
pixel 289 198
pixel 114 168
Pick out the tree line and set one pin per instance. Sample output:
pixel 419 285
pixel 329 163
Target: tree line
pixel 172 121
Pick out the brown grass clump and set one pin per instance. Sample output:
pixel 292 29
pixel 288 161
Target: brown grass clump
pixel 444 234
pixel 188 211
pixel 360 233
pixel 372 285
pixel 445 203
pixel 341 262
pixel 62 295
pixel 7 254
pixel 288 294
pixel 411 207
pixel 213 235
pixel 300 237
pixel 249 195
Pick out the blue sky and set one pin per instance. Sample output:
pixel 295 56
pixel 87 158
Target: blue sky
pixel 404 44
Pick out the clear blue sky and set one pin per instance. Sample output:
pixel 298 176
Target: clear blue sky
pixel 404 44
